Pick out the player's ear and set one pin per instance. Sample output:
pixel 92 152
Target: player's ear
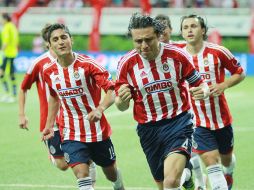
pixel 203 31
pixel 72 41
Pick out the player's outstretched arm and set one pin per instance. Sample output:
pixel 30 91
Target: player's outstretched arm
pixel 122 101
pixel 219 88
pixel 53 107
pixel 107 101
pixel 23 121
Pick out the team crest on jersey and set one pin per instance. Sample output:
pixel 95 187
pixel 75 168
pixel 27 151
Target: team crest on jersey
pixel 206 62
pixel 165 67
pixel 76 75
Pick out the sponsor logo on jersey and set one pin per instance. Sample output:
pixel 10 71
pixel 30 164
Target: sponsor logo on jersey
pixel 71 92
pixel 57 79
pixel 143 74
pixel 158 86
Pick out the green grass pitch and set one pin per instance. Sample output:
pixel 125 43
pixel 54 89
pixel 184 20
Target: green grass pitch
pixel 24 163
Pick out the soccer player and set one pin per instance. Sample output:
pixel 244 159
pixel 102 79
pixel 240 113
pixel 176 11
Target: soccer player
pixel 75 83
pixel 200 183
pixel 166 34
pixel 34 75
pixel 213 135
pixel 10 40
pixel 153 76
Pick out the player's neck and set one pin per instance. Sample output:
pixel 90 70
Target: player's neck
pixel 194 49
pixel 66 60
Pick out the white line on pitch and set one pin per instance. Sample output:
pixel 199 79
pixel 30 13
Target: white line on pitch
pixel 65 186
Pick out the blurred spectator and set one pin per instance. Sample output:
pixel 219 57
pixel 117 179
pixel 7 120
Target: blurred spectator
pixel 117 3
pixel 38 44
pixel 66 4
pixel 229 4
pixel 9 3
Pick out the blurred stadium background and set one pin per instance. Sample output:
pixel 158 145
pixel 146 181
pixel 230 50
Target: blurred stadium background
pixel 99 28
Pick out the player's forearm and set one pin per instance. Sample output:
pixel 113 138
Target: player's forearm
pixel 22 102
pixel 107 101
pixel 53 107
pixel 121 105
pixel 234 80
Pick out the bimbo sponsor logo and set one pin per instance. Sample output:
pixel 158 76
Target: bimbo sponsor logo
pixel 71 92
pixel 158 86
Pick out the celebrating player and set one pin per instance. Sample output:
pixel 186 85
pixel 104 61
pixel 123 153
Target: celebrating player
pixel 153 75
pixel 213 136
pixel 75 83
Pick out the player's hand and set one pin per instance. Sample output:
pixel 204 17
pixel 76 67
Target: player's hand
pixel 217 89
pixel 95 115
pixel 198 93
pixel 47 133
pixel 23 122
pixel 124 93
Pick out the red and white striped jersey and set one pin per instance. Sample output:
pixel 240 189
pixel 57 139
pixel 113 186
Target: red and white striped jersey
pixel 211 62
pixel 79 89
pixel 157 86
pixel 34 74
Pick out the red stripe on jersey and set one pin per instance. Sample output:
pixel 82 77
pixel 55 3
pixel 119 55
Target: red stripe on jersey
pixel 173 95
pixel 202 102
pixel 161 95
pixel 80 116
pixel 71 122
pixel 194 107
pixel 211 98
pixel 139 107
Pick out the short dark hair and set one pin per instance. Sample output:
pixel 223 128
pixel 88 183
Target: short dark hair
pixel 6 16
pixel 44 32
pixel 162 17
pixel 139 21
pixel 56 26
pixel 201 22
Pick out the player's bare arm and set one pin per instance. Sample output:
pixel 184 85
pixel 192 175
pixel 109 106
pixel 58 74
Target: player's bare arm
pixel 23 121
pixel 53 107
pixel 219 88
pixel 108 100
pixel 122 101
pixel 200 92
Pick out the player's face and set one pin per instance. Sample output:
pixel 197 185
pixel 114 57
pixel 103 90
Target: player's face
pixel 60 42
pixel 146 42
pixel 192 31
